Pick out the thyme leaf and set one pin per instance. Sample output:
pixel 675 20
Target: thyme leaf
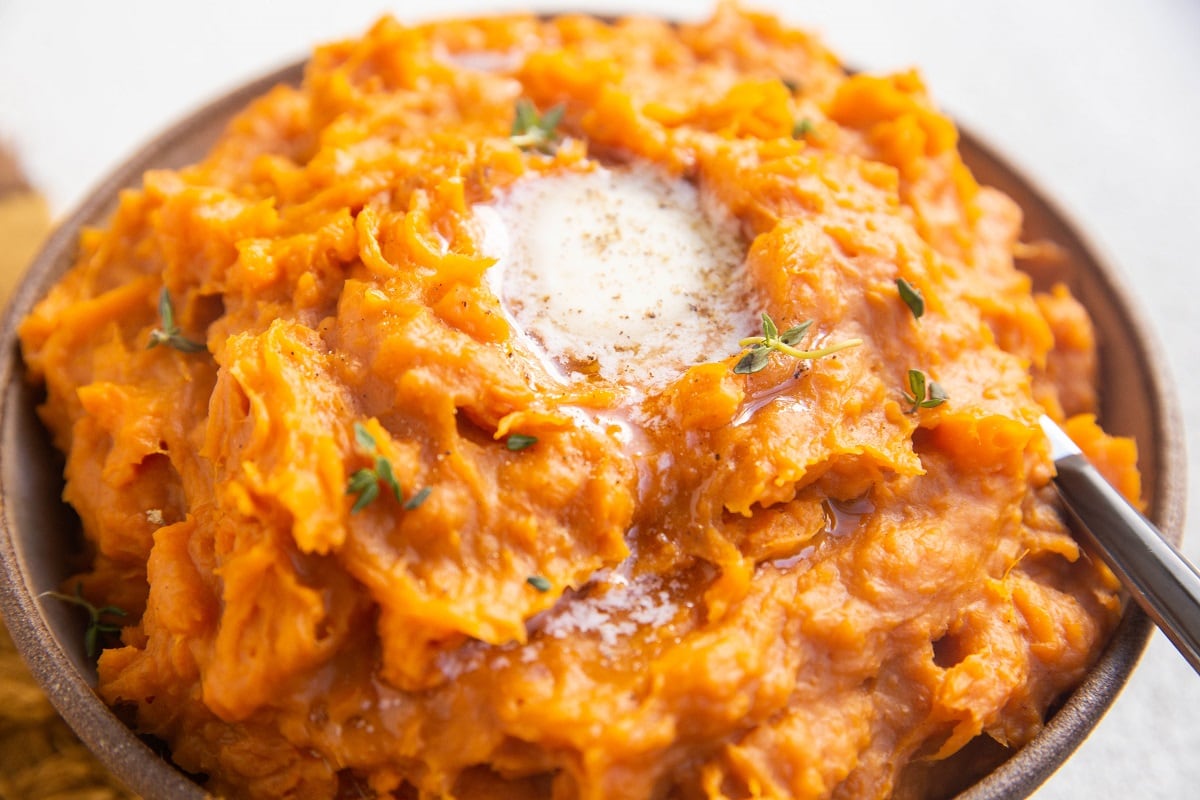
pixel 364 438
pixel 793 335
pixel 519 441
pixel 533 131
pixel 755 360
pixel 383 468
pixel 169 333
pixel 365 484
pixel 369 482
pixel 759 348
pixel 912 297
pixel 96 627
pixel 539 582
pixel 769 328
pixel 417 499
pixel 923 393
pixel 802 128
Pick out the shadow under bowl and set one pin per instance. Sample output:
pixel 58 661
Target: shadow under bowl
pixel 39 534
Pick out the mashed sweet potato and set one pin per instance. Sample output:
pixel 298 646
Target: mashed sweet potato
pixel 791 583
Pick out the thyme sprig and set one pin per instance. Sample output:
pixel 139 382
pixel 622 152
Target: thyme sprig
pixel 922 392
pixel 533 131
pixel 369 482
pixel 170 334
pixel 96 627
pixel 761 347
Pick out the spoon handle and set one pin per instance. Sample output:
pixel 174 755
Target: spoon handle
pixel 1160 579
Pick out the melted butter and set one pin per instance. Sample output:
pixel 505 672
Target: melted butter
pixel 621 273
pixel 781 392
pixel 480 60
pixel 788 562
pixel 844 517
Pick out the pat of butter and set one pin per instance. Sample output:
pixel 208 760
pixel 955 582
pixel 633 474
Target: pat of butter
pixel 619 272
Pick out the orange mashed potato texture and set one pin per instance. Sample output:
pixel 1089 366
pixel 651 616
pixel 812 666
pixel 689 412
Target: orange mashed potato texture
pixel 783 584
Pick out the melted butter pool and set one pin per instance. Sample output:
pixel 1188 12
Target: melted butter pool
pixel 619 272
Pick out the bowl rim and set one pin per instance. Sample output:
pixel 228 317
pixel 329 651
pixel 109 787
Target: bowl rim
pixel 1031 766
pixel 143 771
pixel 72 694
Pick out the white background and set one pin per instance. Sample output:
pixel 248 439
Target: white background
pixel 1099 101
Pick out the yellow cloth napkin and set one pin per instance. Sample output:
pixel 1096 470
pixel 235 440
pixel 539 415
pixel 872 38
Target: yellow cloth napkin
pixel 40 757
pixel 23 223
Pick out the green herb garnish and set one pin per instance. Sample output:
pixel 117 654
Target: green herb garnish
pixel 169 334
pixel 519 441
pixel 761 347
pixel 912 297
pixel 533 131
pixel 97 627
pixel 923 393
pixel 802 127
pixel 417 499
pixel 366 482
pixel 539 583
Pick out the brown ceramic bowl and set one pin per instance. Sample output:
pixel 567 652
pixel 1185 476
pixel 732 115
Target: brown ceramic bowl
pixel 39 535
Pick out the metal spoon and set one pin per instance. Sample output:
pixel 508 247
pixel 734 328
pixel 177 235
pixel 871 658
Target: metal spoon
pixel 1161 580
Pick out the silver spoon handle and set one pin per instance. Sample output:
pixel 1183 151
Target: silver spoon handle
pixel 1159 578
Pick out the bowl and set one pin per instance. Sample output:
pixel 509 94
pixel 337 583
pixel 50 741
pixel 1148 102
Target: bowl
pixel 39 534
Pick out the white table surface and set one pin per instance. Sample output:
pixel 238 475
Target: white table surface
pixel 1100 101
